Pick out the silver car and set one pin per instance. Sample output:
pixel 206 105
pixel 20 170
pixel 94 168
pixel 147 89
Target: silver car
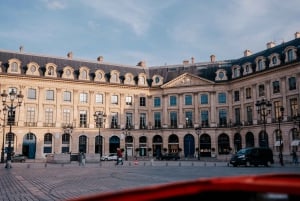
pixel 109 157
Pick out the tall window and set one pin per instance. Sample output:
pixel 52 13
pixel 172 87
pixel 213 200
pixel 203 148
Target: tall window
pixel 249 115
pixel 173 101
pixel 114 120
pixel 142 120
pixel 30 115
pixel 157 120
pixel 237 113
pixel 142 101
pixel 14 67
pixel 294 106
pixel 236 95
pixel 248 93
pixel 156 101
pixel 189 119
pixel 67 96
pixel 204 118
pixel 261 90
pixel 49 95
pixel 290 55
pixel 276 87
pixel 66 116
pixel 188 99
pixel 83 118
pixel 204 99
pixel 99 98
pixel 260 64
pixel 83 97
pixel 173 118
pixel 114 99
pixel 129 120
pixel 31 93
pixel 223 117
pixel 128 100
pixel 49 116
pixel 222 98
pixel 292 83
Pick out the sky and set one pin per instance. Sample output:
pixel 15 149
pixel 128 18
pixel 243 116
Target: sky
pixel 158 32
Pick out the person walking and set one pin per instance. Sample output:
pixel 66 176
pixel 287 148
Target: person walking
pixel 295 157
pixel 119 157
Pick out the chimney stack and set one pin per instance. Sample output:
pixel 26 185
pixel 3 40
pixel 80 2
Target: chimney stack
pixel 185 62
pixel 297 35
pixel 70 55
pixel 100 58
pixel 142 64
pixel 21 49
pixel 212 58
pixel 270 45
pixel 193 60
pixel 247 53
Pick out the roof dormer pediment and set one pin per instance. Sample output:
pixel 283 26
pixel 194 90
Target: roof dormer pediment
pixel 185 80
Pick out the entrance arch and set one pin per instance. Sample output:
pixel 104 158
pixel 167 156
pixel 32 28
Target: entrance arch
pixel 29 145
pixel 189 146
pixel 157 143
pixel 82 143
pixel 114 143
pixel 205 145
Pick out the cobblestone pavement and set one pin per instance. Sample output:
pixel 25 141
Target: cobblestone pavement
pixel 36 181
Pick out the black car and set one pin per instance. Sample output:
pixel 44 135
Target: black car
pixel 18 158
pixel 253 156
pixel 169 156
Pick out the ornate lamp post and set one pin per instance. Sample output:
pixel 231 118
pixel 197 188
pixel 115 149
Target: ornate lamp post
pixel 3 132
pixel 263 109
pixel 198 132
pixel 11 121
pixel 280 118
pixel 126 133
pixel 99 119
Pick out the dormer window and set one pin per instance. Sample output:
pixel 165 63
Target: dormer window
pixel 236 71
pixel 221 75
pixel 260 63
pixel 14 67
pixel 290 54
pixel 274 60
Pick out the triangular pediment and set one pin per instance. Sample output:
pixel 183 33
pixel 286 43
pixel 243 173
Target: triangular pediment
pixel 186 79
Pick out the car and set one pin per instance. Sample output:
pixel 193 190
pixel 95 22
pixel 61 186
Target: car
pixel 169 156
pixel 110 157
pixel 253 156
pixel 18 158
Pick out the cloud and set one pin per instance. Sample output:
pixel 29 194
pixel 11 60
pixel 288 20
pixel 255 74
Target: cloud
pixel 54 4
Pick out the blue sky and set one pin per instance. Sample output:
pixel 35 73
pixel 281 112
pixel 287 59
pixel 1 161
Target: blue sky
pixel 158 32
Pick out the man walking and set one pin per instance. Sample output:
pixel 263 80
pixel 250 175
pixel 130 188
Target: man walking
pixel 119 157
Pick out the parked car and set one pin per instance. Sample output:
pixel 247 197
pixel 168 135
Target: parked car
pixel 109 157
pixel 253 156
pixel 169 156
pixel 18 158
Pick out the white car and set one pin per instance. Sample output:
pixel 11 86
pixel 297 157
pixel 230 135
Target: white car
pixel 109 157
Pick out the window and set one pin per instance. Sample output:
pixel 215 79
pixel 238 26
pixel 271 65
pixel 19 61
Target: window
pixel 84 74
pixel 114 99
pixel 188 99
pixel 235 72
pixel 294 107
pixel 173 101
pixel 236 95
pixel 14 67
pixel 114 120
pixel 128 100
pixel 83 119
pixel 83 97
pixel 290 55
pixel 143 121
pixel 249 115
pixel 129 120
pixel 277 106
pixel 292 83
pixel 222 98
pixel 49 95
pixel 99 98
pixel 67 96
pixel 204 118
pixel 51 70
pixel 173 118
pixel 30 117
pixel 156 101
pixel 274 60
pixel 31 93
pixel 142 101
pixel 66 116
pixel 276 87
pixel 223 117
pixel 48 139
pixel 157 80
pixel 49 116
pixel 189 119
pixel 237 113
pixel 261 90
pixel 157 120
pixel 204 99
pixel 260 65
pixel 248 93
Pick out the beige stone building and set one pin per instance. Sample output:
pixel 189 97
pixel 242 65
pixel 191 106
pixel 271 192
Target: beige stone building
pixel 151 110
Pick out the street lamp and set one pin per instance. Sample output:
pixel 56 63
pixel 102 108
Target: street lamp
pixel 198 132
pixel 126 133
pixel 263 109
pixel 280 118
pixel 99 119
pixel 3 132
pixel 11 121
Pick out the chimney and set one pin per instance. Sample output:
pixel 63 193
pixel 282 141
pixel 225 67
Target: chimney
pixel 212 58
pixel 21 49
pixel 193 60
pixel 70 55
pixel 297 34
pixel 185 62
pixel 247 53
pixel 100 58
pixel 270 45
pixel 142 64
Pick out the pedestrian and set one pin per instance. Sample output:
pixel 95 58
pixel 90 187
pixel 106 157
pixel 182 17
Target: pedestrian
pixel 119 157
pixel 295 157
pixel 83 159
